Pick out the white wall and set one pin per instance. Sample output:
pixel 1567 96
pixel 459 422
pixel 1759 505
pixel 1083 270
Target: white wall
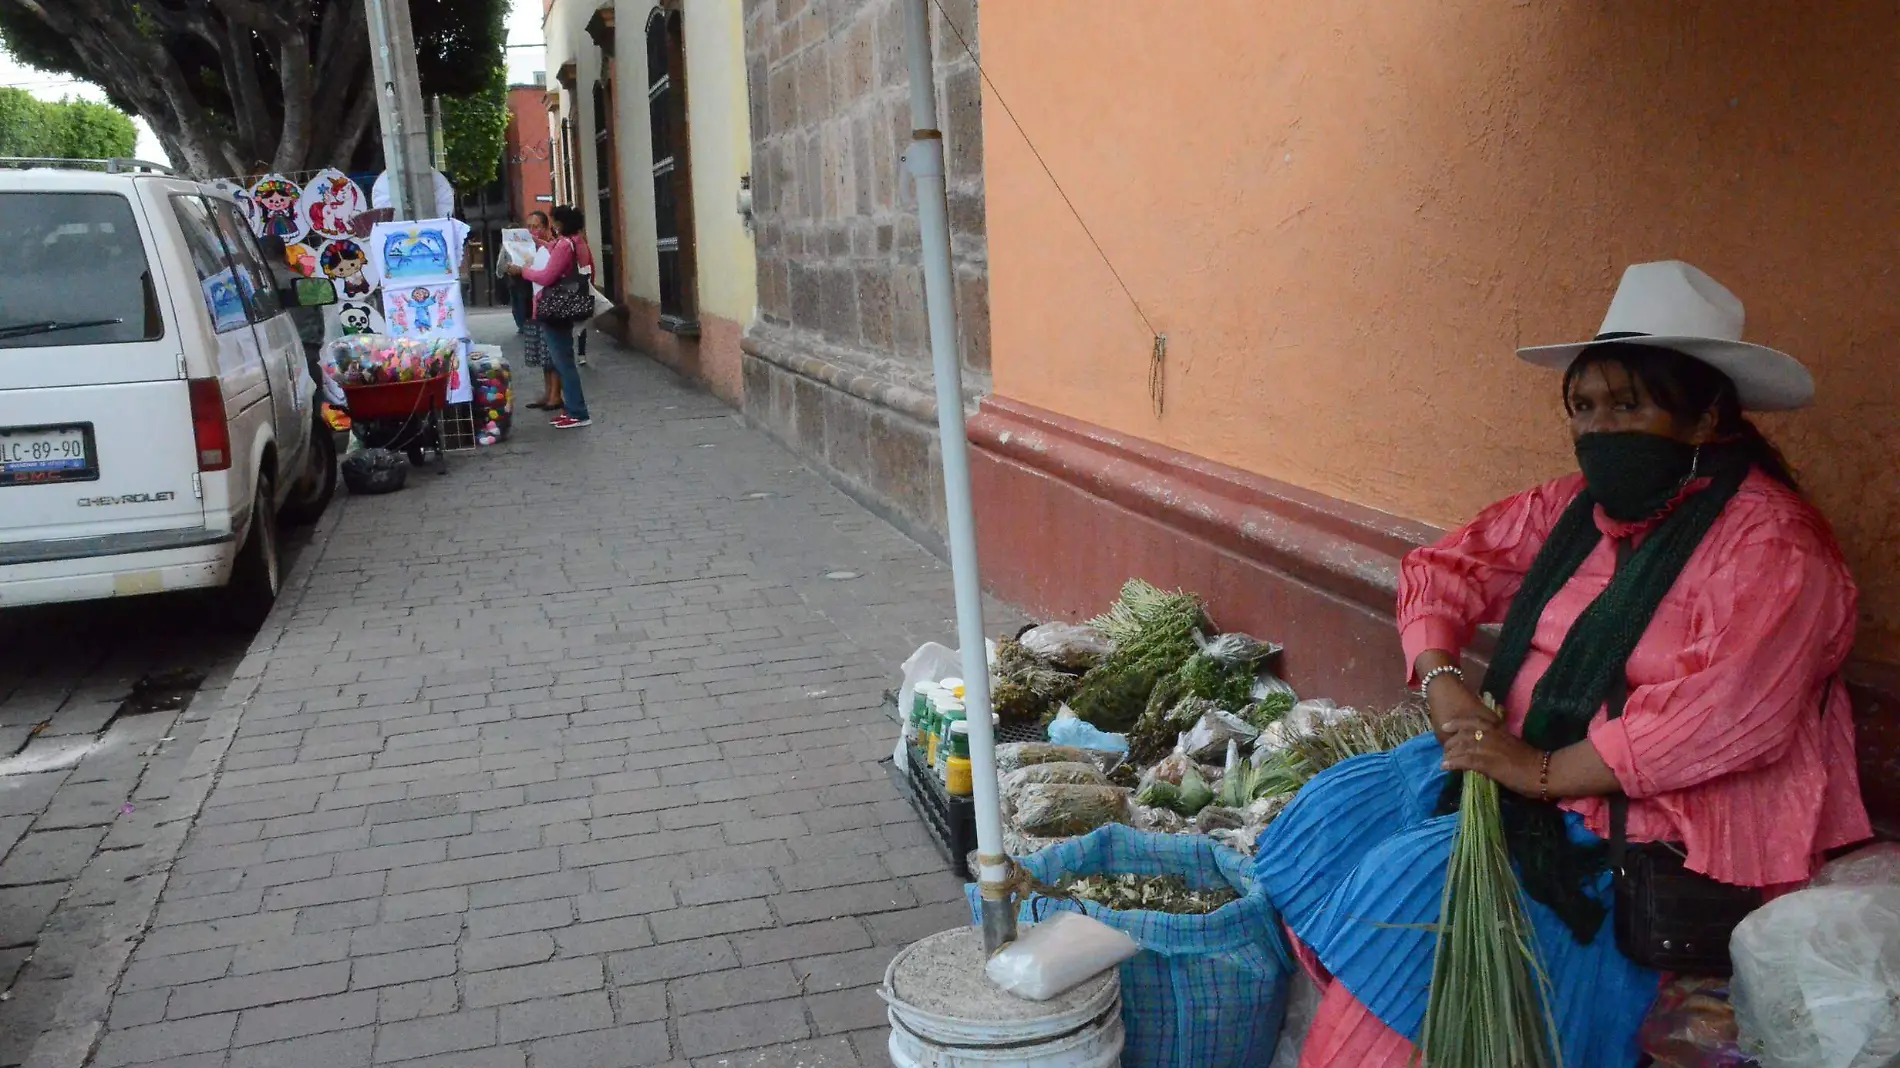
pixel 720 131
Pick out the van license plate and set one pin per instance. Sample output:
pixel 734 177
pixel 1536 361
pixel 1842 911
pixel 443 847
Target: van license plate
pixel 35 455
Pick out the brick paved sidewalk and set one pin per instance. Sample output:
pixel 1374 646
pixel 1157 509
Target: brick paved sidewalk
pixel 568 758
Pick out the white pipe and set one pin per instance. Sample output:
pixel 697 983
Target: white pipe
pixel 925 161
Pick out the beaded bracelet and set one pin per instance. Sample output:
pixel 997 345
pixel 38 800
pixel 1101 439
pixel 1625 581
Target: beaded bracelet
pixel 1425 681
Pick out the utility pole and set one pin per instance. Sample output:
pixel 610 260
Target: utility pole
pixel 406 149
pixel 925 161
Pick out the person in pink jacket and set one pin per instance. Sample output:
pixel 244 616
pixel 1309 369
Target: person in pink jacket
pixel 568 256
pixel 1674 618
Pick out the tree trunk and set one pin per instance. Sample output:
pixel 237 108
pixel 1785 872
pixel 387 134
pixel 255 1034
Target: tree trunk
pixel 293 67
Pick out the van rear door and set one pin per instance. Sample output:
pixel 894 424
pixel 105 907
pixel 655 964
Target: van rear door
pixel 97 452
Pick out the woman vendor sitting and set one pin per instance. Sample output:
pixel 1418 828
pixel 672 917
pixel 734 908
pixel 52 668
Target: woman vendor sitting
pixel 1673 620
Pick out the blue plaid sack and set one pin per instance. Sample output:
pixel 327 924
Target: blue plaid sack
pixel 1205 991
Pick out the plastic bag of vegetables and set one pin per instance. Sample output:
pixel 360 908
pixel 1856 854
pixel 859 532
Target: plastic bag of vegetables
pixel 1055 810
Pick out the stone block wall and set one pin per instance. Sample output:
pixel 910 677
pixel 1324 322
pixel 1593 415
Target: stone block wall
pixel 837 364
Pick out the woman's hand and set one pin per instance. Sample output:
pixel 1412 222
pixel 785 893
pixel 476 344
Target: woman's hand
pixel 1448 699
pixel 1484 746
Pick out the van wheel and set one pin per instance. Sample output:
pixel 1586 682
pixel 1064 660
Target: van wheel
pixel 257 576
pixel 312 493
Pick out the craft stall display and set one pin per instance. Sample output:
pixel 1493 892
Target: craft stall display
pixel 396 389
pixel 393 279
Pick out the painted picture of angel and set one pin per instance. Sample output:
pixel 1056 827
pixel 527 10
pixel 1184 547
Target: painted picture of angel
pixel 424 311
pixel 274 207
pixel 331 203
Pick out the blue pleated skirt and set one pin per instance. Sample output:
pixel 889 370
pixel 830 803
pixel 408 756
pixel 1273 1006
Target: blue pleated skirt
pixel 1356 864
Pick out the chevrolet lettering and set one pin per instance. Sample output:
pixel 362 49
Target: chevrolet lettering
pixel 128 498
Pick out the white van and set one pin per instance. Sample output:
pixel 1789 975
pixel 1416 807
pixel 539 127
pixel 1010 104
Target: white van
pixel 157 414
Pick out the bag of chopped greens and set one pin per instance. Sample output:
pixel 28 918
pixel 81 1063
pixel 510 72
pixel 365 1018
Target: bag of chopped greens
pixel 1054 810
pixel 1016 755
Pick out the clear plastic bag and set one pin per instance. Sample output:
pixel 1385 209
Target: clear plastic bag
pixel 1157 820
pixel 1302 718
pixel 1876 865
pixel 1170 770
pixel 930 663
pixel 1268 683
pixel 1027 754
pixel 1064 773
pixel 1817 979
pixel 1058 955
pixel 1692 1025
pixel 1207 740
pixel 1053 810
pixel 1237 649
pixel 1070 646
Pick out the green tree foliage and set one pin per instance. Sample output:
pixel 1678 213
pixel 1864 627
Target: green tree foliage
pixel 475 126
pixel 474 133
pixel 237 87
pixel 69 129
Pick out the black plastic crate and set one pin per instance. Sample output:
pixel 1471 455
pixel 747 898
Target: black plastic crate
pixel 950 820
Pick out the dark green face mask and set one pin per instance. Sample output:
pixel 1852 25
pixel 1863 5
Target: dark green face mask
pixel 1634 475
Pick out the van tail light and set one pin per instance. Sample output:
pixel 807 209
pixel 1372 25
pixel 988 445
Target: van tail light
pixel 208 427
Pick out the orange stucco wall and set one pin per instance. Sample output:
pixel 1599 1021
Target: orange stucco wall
pixel 1347 215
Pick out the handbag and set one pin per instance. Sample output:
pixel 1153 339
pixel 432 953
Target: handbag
pixel 1668 918
pixel 566 302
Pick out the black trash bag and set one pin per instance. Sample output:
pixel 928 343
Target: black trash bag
pixel 402 434
pixel 370 471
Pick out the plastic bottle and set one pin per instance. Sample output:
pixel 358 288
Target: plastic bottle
pixel 927 723
pixel 916 715
pixel 954 718
pixel 957 768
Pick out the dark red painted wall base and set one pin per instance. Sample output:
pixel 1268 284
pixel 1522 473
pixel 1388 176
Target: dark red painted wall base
pixel 1066 512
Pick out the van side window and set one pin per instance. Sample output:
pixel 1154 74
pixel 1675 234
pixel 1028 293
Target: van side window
pixel 217 280
pixel 73 271
pixel 254 278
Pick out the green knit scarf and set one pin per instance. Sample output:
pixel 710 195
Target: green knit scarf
pixel 1555 870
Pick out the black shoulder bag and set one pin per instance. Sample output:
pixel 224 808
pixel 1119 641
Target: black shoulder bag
pixel 568 301
pixel 1669 918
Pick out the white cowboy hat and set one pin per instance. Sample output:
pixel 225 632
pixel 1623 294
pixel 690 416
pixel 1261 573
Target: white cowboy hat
pixel 1673 305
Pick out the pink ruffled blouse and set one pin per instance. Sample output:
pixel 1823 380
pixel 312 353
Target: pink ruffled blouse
pixel 1724 744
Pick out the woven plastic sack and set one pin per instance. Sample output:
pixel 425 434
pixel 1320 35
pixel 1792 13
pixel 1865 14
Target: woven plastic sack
pixel 1817 979
pixel 1205 991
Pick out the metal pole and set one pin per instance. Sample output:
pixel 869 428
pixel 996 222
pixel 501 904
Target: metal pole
pixel 399 102
pixel 925 161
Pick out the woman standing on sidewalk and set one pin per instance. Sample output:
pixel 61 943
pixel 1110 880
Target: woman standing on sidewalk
pixel 568 257
pixel 533 341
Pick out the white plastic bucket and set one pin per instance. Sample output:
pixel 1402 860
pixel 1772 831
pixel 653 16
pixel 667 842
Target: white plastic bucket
pixel 1096 1045
pixel 945 1014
